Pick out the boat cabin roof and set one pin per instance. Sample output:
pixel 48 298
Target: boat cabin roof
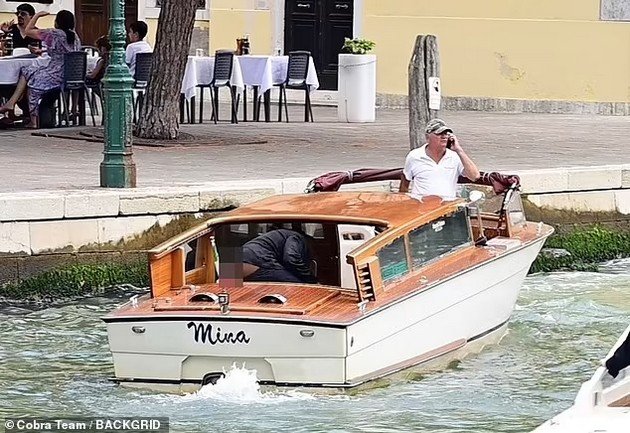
pixel 378 208
pixel 388 210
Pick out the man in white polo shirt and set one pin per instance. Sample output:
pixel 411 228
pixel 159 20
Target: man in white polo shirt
pixel 137 31
pixel 433 169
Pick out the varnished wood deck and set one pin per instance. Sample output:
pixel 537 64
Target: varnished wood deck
pixel 311 303
pixel 622 402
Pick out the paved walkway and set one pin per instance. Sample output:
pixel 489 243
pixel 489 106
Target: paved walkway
pixel 249 151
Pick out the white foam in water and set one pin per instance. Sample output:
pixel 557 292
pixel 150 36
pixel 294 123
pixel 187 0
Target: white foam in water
pixel 240 386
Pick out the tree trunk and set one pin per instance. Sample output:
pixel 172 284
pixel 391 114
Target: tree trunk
pixel 160 110
pixel 425 63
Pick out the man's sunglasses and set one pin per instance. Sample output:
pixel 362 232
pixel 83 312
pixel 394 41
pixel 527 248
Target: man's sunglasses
pixel 22 14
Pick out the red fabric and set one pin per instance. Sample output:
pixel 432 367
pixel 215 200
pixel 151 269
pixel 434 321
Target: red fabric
pixel 332 181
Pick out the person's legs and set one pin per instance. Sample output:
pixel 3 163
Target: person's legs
pixel 17 94
pixel 34 97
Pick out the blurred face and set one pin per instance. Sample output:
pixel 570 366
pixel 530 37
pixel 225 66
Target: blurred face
pixel 133 36
pixel 23 17
pixel 438 141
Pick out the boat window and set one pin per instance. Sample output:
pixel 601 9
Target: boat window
pixel 190 249
pixel 314 230
pixel 393 260
pixel 353 236
pixel 515 208
pixel 239 228
pixel 439 237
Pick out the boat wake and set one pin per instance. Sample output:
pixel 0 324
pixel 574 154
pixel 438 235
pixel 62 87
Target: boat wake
pixel 240 386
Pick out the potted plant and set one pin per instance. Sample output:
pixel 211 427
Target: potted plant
pixel 356 94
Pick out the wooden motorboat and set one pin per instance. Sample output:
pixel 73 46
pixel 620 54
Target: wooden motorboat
pixel 400 282
pixel 603 402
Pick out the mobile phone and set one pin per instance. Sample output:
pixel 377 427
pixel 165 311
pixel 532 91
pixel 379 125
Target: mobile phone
pixel 450 142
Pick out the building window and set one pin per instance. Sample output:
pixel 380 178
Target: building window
pixel 439 237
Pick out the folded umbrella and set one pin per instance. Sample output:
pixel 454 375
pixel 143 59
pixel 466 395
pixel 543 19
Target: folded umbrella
pixel 332 181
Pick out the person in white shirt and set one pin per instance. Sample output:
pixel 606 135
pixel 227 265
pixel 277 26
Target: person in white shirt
pixel 137 44
pixel 434 168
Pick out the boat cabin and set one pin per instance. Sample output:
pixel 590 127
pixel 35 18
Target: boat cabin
pixel 364 244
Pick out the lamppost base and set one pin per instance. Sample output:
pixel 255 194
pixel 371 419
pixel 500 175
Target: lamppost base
pixel 115 175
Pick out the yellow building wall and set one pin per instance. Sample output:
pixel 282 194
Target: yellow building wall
pixel 534 49
pixel 232 19
pixel 152 24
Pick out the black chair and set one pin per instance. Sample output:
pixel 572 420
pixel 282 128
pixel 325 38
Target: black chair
pixel 140 81
pixel 74 70
pixel 223 61
pixel 96 90
pixel 296 79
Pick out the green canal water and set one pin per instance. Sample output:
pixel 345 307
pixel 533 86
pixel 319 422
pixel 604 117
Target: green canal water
pixel 55 362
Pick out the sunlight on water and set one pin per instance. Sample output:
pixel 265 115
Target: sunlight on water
pixel 56 361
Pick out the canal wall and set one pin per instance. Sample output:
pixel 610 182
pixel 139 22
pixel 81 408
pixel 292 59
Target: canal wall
pixel 42 230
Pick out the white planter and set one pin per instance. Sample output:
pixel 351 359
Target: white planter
pixel 356 94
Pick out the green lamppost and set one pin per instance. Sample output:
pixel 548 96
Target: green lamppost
pixel 117 169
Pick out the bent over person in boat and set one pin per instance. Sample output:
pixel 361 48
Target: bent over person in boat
pixel 434 168
pixel 281 255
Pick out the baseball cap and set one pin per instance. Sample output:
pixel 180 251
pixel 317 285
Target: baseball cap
pixel 437 126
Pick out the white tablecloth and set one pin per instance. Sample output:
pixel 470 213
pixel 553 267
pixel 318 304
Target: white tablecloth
pixel 200 70
pixel 251 70
pixel 265 71
pixel 10 67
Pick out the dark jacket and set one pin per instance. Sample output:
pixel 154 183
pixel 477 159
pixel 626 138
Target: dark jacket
pixel 620 359
pixel 280 249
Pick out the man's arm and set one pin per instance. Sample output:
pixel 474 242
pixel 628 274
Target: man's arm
pixel 128 55
pixel 404 184
pixel 470 169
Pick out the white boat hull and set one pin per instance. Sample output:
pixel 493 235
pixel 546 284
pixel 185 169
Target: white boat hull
pixel 441 320
pixel 602 405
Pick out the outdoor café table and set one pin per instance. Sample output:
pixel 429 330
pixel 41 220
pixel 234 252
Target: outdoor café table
pixel 10 70
pixel 10 67
pixel 200 70
pixel 263 72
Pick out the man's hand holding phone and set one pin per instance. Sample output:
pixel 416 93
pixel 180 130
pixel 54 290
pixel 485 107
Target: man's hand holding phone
pixel 453 143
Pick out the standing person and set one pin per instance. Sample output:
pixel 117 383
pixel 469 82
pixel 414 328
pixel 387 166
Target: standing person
pixel 24 13
pixel 435 167
pixel 36 80
pixel 137 44
pixel 280 255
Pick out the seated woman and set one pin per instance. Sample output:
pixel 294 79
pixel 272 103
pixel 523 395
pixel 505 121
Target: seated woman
pixel 93 78
pixel 39 79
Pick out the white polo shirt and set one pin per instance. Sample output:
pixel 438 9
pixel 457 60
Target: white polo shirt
pixel 430 178
pixel 131 51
